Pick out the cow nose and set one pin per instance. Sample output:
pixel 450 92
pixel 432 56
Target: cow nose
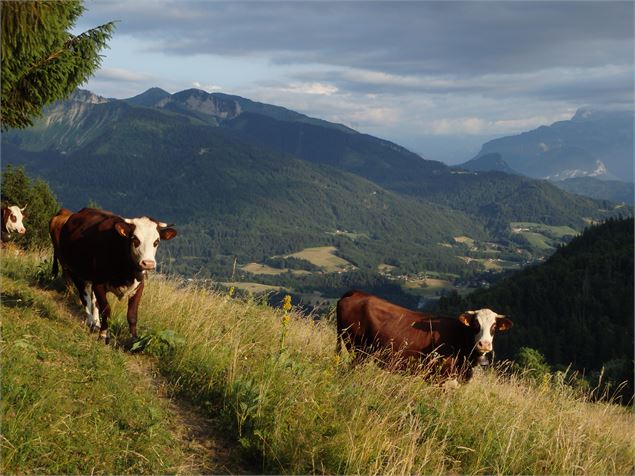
pixel 148 264
pixel 22 231
pixel 484 346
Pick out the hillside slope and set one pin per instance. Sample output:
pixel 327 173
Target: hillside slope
pixel 577 307
pixel 71 405
pixel 251 181
pixel 228 198
pixel 276 389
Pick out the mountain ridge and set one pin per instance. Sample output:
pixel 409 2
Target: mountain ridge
pixel 254 186
pixel 592 143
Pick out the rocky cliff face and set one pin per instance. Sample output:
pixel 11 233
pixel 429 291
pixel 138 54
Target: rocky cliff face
pixel 197 101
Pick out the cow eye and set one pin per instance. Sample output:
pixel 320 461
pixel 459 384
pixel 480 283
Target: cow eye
pixel 136 242
pixel 13 218
pixel 156 243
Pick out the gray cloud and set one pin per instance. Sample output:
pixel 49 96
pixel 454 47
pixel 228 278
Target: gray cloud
pixel 460 38
pixel 401 70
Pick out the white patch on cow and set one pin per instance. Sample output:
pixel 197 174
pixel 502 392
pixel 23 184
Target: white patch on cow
pixel 92 311
pixel 484 339
pixel 125 292
pixel 144 248
pixel 14 223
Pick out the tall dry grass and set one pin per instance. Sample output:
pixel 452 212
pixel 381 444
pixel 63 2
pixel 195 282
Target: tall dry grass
pixel 296 407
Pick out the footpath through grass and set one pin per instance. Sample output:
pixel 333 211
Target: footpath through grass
pixel 71 405
pixel 275 386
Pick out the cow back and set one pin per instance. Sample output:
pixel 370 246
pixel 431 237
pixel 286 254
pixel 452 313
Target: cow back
pixel 371 323
pixel 90 246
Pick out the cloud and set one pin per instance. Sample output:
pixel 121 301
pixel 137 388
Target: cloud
pixel 406 71
pixel 400 38
pixel 119 74
pixel 321 89
pixel 207 87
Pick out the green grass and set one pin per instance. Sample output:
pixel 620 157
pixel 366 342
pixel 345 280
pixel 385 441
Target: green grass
pixel 280 391
pixel 69 404
pixel 553 231
pixel 324 257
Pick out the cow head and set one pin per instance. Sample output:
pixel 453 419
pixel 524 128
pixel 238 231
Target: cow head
pixel 484 323
pixel 144 235
pixel 13 218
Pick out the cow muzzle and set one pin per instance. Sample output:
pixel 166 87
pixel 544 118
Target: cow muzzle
pixel 147 264
pixel 484 346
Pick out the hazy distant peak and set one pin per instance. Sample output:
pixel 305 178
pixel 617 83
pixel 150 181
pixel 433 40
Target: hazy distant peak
pixel 492 162
pixel 586 114
pixel 148 98
pixel 82 95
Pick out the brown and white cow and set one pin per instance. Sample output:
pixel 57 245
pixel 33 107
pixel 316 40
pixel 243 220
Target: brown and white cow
pixel 368 324
pixel 102 253
pixel 12 221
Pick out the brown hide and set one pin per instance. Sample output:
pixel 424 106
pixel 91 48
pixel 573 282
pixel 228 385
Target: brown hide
pixel 55 228
pixel 93 250
pixel 368 324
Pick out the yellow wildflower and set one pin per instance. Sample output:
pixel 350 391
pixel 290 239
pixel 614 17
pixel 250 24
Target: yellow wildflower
pixel 286 303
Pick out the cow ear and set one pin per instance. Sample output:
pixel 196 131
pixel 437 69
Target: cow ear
pixel 502 323
pixel 122 229
pixel 167 233
pixel 466 318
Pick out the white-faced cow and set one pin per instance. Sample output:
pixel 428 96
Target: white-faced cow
pixel 102 252
pixel 368 324
pixel 12 221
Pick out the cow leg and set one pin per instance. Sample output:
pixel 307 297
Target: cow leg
pixel 85 291
pixel 133 309
pixel 99 291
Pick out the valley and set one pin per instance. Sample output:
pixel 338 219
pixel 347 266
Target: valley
pixel 267 196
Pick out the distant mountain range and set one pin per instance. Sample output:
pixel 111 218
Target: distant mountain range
pixel 593 144
pixel 250 180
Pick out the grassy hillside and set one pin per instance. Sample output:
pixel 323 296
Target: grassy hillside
pixel 68 404
pixel 278 389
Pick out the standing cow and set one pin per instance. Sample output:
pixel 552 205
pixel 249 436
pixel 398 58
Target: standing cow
pixel 12 221
pixel 369 324
pixel 103 253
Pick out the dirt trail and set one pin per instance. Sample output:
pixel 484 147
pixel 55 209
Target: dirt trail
pixel 208 450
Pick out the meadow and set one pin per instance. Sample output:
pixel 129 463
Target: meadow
pixel 272 382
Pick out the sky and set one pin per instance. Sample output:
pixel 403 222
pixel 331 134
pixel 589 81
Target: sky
pixel 440 78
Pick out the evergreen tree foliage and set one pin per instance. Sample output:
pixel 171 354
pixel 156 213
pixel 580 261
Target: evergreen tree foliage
pixel 41 61
pixel 19 189
pixel 576 309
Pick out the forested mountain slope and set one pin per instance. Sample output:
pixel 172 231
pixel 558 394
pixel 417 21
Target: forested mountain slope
pixel 577 307
pixel 227 197
pixel 249 181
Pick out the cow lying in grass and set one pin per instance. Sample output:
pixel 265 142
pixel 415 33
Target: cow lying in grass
pixel 370 325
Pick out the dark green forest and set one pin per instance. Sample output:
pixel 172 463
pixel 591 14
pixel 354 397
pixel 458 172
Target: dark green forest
pixel 576 308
